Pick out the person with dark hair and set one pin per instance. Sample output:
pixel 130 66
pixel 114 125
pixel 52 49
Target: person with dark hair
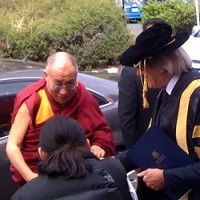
pixel 134 119
pixel 57 93
pixel 158 56
pixel 68 170
pixel 151 21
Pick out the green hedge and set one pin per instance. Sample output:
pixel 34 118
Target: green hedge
pixel 93 31
pixel 179 14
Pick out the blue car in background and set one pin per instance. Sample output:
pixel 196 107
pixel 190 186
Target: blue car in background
pixel 132 9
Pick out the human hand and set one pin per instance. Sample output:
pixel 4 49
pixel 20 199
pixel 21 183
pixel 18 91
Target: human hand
pixel 153 178
pixel 98 151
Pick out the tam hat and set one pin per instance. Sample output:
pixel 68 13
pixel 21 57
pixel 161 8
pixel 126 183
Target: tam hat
pixel 153 42
pixel 59 131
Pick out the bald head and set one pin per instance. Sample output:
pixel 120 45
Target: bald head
pixel 61 76
pixel 60 60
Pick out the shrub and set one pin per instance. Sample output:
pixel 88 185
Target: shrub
pixel 179 14
pixel 93 31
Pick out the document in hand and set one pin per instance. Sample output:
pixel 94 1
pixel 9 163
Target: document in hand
pixel 156 150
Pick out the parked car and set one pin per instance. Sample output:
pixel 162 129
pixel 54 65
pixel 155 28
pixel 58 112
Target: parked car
pixel 15 76
pixel 192 46
pixel 133 10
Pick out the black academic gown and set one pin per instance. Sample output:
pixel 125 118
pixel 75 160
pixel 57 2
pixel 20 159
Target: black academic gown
pixel 175 120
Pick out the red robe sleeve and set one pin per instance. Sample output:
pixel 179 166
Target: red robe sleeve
pixel 95 125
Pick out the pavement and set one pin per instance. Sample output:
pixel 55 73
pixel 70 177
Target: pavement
pixel 135 28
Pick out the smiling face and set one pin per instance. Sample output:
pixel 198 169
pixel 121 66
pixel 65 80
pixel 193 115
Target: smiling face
pixel 61 78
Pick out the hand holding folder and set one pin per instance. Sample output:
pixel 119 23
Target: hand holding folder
pixel 156 150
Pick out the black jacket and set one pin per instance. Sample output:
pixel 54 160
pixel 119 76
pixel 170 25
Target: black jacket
pixel 97 185
pixel 133 118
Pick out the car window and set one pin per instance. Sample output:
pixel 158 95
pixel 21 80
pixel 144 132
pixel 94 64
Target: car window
pixel 9 88
pixel 6 107
pixel 100 99
pixel 4 130
pixel 8 91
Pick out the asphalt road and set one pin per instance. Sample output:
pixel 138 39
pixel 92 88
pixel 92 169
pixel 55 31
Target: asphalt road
pixel 135 27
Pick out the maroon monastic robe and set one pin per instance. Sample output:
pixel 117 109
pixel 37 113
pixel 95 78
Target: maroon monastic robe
pixel 82 107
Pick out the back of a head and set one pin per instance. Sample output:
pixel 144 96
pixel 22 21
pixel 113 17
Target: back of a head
pixel 63 140
pixel 150 22
pixel 59 131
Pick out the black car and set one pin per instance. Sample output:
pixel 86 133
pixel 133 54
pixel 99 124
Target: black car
pixel 14 76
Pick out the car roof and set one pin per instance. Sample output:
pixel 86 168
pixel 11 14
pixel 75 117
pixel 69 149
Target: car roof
pixel 18 70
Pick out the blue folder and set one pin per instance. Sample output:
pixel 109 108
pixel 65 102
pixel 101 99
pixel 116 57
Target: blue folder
pixel 156 150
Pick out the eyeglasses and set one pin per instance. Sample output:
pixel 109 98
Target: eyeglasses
pixel 69 87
